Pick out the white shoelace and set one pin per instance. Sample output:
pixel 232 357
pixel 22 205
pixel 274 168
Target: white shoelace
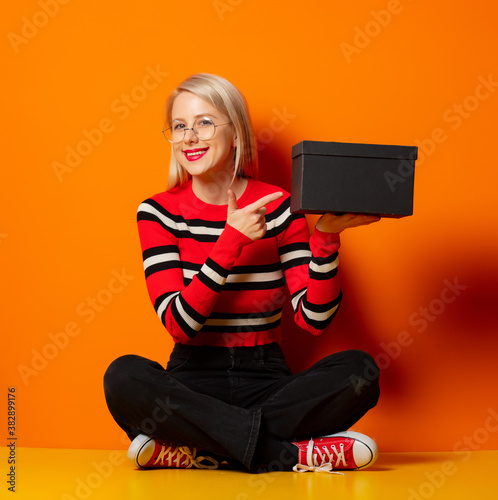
pixel 183 452
pixel 311 459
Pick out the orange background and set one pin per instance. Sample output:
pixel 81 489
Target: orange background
pixel 379 71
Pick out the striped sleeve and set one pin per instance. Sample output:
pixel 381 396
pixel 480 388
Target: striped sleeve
pixel 311 266
pixel 184 308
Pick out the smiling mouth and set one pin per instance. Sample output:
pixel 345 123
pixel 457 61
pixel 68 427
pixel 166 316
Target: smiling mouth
pixel 195 154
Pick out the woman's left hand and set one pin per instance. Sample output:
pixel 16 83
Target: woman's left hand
pixel 331 223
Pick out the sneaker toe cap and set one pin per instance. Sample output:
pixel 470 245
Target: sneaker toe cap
pixel 365 452
pixel 141 450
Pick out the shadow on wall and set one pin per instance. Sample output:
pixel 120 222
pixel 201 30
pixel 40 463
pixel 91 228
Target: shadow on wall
pixel 454 298
pixel 459 302
pixel 454 313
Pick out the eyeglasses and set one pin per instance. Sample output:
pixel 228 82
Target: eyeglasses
pixel 203 128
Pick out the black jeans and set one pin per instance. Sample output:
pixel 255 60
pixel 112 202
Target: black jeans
pixel 240 403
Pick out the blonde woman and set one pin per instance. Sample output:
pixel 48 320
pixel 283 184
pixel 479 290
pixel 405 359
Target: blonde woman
pixel 219 249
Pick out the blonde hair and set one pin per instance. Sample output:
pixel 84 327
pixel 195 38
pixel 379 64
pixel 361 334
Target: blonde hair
pixel 226 98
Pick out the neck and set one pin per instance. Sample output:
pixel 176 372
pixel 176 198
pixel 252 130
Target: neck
pixel 213 189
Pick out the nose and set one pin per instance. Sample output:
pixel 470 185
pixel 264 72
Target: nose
pixel 190 136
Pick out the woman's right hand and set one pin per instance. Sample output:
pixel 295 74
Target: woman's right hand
pixel 250 220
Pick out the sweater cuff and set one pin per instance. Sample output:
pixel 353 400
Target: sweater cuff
pixel 235 236
pixel 229 246
pixel 324 244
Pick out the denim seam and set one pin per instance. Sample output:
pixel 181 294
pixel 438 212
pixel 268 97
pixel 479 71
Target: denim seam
pixel 253 437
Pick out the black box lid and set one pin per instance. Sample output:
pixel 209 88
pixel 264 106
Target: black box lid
pixel 352 149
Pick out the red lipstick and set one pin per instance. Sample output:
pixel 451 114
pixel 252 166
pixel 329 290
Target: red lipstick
pixel 194 154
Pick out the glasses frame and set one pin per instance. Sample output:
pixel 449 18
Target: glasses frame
pixel 194 130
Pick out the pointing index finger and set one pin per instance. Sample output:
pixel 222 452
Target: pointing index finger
pixel 253 207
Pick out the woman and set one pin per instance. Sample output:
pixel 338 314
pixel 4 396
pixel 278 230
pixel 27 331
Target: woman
pixel 219 247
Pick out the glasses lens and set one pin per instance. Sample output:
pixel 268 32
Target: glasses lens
pixel 175 133
pixel 167 134
pixel 204 129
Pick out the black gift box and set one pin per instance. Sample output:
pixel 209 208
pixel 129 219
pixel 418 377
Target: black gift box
pixel 352 178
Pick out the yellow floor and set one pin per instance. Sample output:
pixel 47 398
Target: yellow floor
pixel 102 474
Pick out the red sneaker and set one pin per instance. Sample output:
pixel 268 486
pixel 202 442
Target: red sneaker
pixel 149 453
pixel 343 451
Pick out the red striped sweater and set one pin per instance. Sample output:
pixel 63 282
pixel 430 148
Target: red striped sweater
pixel 211 285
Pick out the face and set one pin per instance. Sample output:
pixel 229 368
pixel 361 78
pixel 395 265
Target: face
pixel 203 157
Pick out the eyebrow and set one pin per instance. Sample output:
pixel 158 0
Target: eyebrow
pixel 196 116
